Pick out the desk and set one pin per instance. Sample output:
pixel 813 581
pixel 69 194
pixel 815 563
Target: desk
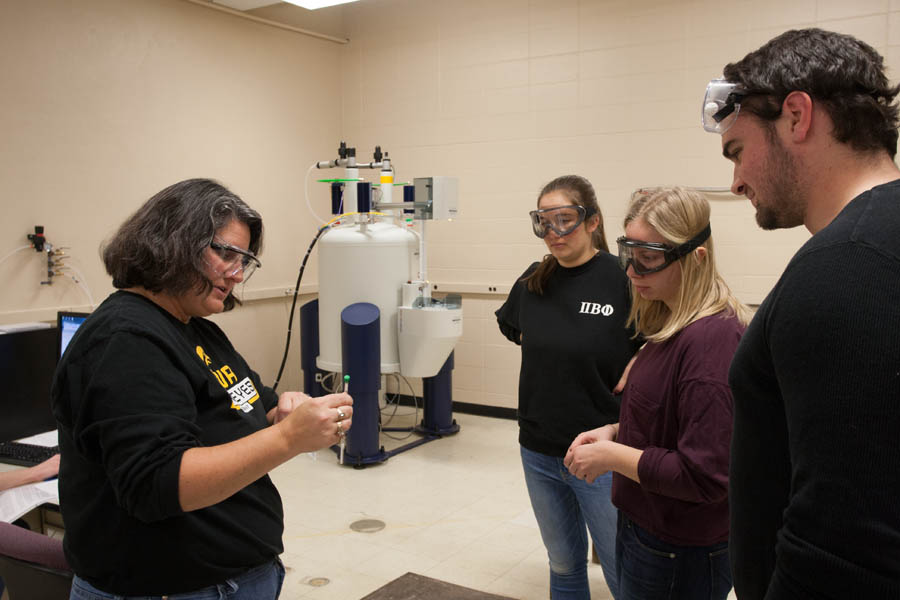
pixel 46 518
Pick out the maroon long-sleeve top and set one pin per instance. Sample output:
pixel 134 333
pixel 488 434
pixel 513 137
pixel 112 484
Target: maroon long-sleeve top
pixel 677 408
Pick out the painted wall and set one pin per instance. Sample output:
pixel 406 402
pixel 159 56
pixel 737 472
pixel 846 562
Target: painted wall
pixel 509 94
pixel 105 102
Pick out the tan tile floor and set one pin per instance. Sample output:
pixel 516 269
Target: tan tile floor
pixel 454 509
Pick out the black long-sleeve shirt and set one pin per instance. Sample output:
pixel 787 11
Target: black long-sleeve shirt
pixel 815 466
pixel 574 349
pixel 135 389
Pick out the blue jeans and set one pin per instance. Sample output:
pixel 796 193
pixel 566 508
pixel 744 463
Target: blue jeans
pixel 563 505
pixel 260 583
pixel 651 569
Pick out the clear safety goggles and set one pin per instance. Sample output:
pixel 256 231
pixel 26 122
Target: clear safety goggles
pixel 563 220
pixel 721 105
pixel 235 260
pixel 650 257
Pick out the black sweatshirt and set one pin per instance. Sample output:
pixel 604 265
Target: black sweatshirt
pixel 815 466
pixel 134 390
pixel 574 349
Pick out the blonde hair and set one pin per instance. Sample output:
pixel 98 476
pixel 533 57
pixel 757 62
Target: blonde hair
pixel 678 214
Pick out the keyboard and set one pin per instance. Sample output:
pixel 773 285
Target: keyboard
pixel 26 455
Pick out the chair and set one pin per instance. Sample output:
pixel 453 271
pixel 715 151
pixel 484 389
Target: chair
pixel 32 565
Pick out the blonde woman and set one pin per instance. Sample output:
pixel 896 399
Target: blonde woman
pixel 669 451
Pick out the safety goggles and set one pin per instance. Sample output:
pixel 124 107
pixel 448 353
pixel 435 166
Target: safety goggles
pixel 563 220
pixel 235 260
pixel 721 105
pixel 650 257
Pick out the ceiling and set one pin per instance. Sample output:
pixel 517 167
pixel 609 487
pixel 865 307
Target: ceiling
pixel 327 21
pixel 245 4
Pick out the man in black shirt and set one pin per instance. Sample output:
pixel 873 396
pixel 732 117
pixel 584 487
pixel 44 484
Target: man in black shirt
pixel 810 123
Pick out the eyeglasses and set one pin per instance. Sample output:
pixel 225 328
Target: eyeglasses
pixel 721 105
pixel 651 257
pixel 235 259
pixel 563 220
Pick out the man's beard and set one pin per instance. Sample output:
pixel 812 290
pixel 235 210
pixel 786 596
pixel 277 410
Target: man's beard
pixel 785 203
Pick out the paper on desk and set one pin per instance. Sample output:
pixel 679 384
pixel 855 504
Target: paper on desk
pixel 48 439
pixel 16 502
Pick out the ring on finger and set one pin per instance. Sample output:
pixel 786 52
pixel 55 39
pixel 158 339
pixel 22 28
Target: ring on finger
pixel 341 415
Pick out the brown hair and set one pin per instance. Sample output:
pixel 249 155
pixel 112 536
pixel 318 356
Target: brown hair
pixel 581 193
pixel 160 247
pixel 845 75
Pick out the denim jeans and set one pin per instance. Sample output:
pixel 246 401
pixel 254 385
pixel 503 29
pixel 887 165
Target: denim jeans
pixel 260 583
pixel 563 505
pixel 651 569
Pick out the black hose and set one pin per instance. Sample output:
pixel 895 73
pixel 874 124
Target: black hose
pixel 287 343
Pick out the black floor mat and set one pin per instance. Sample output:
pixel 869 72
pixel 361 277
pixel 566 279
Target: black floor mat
pixel 418 587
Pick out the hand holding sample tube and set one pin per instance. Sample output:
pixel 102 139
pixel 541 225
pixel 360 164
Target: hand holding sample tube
pixel 317 423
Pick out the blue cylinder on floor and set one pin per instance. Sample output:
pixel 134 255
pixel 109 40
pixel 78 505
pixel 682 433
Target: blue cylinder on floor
pixel 309 348
pixel 361 359
pixel 437 392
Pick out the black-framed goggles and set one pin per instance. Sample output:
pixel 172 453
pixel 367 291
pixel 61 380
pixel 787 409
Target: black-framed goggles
pixel 650 257
pixel 563 220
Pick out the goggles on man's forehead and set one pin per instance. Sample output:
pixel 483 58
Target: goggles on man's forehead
pixel 563 220
pixel 650 257
pixel 721 105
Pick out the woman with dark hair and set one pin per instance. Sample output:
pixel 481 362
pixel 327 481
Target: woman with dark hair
pixel 568 313
pixel 166 434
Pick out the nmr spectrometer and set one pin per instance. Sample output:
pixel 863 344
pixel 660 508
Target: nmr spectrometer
pixel 375 315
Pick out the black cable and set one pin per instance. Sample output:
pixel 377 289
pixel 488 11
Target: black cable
pixel 412 429
pixel 287 343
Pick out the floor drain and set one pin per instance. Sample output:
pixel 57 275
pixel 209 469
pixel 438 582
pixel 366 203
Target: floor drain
pixel 318 581
pixel 367 525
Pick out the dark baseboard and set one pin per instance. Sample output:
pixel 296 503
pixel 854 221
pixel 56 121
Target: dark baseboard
pixel 469 408
pixel 483 410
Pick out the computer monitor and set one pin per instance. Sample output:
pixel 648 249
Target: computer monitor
pixel 27 362
pixel 67 323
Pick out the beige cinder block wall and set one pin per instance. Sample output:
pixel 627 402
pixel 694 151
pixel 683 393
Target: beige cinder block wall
pixel 105 102
pixel 507 94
